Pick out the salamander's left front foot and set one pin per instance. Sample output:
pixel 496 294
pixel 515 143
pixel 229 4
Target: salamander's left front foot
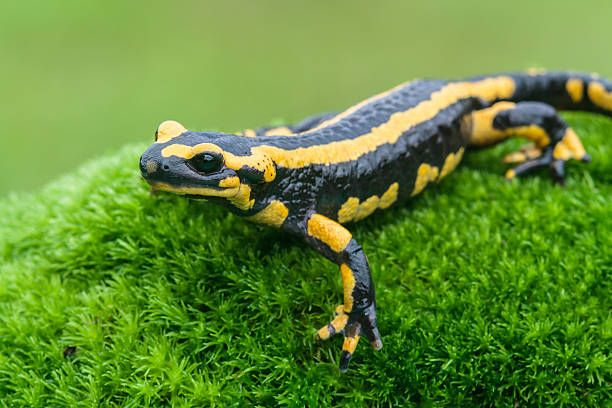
pixel 352 325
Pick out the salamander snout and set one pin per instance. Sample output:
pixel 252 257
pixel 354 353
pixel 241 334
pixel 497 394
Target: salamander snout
pixel 147 166
pixel 151 166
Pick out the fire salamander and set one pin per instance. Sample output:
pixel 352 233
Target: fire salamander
pixel 312 178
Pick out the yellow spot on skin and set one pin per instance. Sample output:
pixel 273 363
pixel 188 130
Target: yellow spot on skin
pixel 250 133
pixel 168 130
pixel 599 96
pixel 204 191
pixel 350 344
pixel 532 133
pixel 484 134
pixel 570 147
pixel 187 152
pixel 531 152
pixel 575 89
pixel 562 152
pixel 151 166
pixel 259 161
pixel 352 210
pixel 233 181
pixel 536 71
pixel 527 152
pixel 348 284
pixel 242 199
pixel 329 232
pixel 348 210
pixel 510 174
pixel 338 324
pixel 280 131
pixel 323 333
pixel 367 207
pixel 274 214
pixel 573 143
pixel 482 131
pixel 451 162
pixel 425 175
pixel 389 197
pixel 515 157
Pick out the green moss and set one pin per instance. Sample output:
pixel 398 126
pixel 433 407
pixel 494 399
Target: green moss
pixel 489 294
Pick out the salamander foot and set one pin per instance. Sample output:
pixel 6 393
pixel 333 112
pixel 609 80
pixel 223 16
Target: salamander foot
pixel 352 325
pixel 525 153
pixel 552 156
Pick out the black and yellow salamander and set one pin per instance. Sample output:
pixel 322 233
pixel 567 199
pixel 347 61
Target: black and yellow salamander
pixel 312 178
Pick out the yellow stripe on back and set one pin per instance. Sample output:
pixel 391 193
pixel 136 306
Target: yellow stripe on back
pixel 389 132
pixel 353 109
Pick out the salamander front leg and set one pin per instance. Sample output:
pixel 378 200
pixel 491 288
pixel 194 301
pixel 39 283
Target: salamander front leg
pixel 289 130
pixel 357 316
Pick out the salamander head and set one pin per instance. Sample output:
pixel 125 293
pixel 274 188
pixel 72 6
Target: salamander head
pixel 205 165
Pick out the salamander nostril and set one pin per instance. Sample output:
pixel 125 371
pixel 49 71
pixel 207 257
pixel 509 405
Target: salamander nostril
pixel 165 164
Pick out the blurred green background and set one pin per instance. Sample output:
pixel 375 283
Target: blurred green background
pixel 81 78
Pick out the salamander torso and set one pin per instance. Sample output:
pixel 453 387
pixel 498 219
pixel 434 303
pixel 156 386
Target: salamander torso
pixel 349 166
pixel 311 178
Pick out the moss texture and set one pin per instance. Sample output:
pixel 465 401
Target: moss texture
pixel 489 294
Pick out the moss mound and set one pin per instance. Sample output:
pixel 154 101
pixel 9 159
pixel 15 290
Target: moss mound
pixel 489 294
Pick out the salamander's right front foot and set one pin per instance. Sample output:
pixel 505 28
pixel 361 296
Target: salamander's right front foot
pixel 352 325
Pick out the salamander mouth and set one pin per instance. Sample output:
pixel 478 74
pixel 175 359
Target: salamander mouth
pixel 195 197
pixel 197 192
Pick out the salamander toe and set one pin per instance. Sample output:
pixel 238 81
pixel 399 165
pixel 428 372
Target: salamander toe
pixel 352 325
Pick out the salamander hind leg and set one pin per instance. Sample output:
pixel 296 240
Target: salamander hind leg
pixel 553 141
pixel 289 130
pixel 357 316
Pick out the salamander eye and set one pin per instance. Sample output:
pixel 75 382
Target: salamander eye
pixel 206 163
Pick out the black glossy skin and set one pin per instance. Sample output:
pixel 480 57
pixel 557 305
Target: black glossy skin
pixel 322 189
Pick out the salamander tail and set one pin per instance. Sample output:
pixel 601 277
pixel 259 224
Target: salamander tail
pixel 565 90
